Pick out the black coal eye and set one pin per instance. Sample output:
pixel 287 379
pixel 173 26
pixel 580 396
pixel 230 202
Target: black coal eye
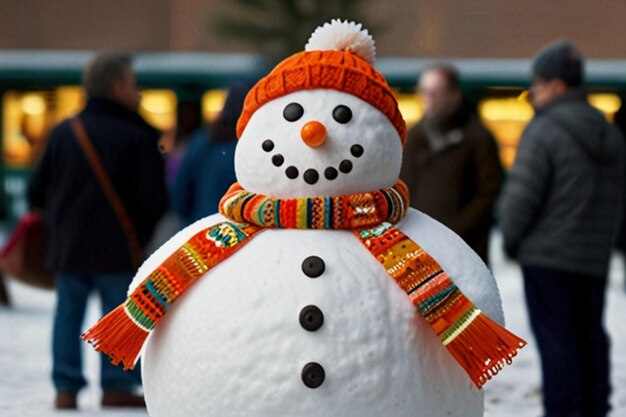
pixel 292 112
pixel 342 114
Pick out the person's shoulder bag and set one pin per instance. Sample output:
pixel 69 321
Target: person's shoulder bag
pixel 22 257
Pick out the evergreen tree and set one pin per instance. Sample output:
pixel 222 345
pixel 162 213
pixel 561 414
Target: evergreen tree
pixel 279 28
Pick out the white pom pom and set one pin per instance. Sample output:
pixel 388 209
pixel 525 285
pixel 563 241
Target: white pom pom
pixel 340 36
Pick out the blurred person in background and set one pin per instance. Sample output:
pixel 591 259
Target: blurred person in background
pixel 86 245
pixel 208 168
pixel 173 145
pixel 451 163
pixel 560 211
pixel 620 122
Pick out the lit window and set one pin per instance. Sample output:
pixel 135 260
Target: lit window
pixel 212 103
pixel 25 122
pixel 606 103
pixel 158 107
pixel 28 117
pixel 411 108
pixel 506 118
pixel 69 100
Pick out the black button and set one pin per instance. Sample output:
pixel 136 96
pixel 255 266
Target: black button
pixel 267 145
pixel 313 266
pixel 313 375
pixel 311 176
pixel 311 318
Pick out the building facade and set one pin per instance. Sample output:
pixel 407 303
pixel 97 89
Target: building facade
pixel 425 28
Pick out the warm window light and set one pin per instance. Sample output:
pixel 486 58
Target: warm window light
pixel 69 100
pixel 212 103
pixel 19 111
pixel 410 107
pixel 35 116
pixel 606 103
pixel 33 104
pixel 157 102
pixel 506 118
pixel 158 107
pixel 510 108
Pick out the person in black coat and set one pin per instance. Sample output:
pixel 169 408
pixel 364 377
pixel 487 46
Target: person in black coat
pixel 620 122
pixel 86 245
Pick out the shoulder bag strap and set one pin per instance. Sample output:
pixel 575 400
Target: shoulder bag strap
pixel 111 194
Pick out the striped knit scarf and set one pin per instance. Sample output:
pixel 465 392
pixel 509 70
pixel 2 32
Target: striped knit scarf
pixel 478 344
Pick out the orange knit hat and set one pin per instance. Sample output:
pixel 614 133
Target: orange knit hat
pixel 338 56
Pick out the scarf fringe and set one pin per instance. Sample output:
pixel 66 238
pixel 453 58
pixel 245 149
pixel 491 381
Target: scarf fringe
pixel 118 337
pixel 483 348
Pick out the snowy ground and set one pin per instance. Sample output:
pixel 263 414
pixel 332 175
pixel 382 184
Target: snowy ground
pixel 25 389
pixel 516 392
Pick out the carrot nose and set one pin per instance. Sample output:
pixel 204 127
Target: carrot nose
pixel 313 134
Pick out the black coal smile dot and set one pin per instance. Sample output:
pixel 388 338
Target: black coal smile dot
pixel 311 176
pixel 330 173
pixel 278 160
pixel 291 172
pixel 356 150
pixel 345 166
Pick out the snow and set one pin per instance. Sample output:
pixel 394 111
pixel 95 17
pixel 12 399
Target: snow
pixel 26 390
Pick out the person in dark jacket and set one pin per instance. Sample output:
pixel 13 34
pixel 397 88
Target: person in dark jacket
pixel 86 246
pixel 208 168
pixel 620 122
pixel 451 163
pixel 560 212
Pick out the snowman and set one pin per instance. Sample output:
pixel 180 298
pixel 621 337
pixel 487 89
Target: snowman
pixel 299 299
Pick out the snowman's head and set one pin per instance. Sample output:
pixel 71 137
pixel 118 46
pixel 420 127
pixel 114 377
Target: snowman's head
pixel 323 122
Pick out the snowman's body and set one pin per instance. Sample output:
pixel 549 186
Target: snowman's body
pixel 233 344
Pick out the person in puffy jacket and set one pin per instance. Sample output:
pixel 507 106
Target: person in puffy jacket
pixel 560 212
